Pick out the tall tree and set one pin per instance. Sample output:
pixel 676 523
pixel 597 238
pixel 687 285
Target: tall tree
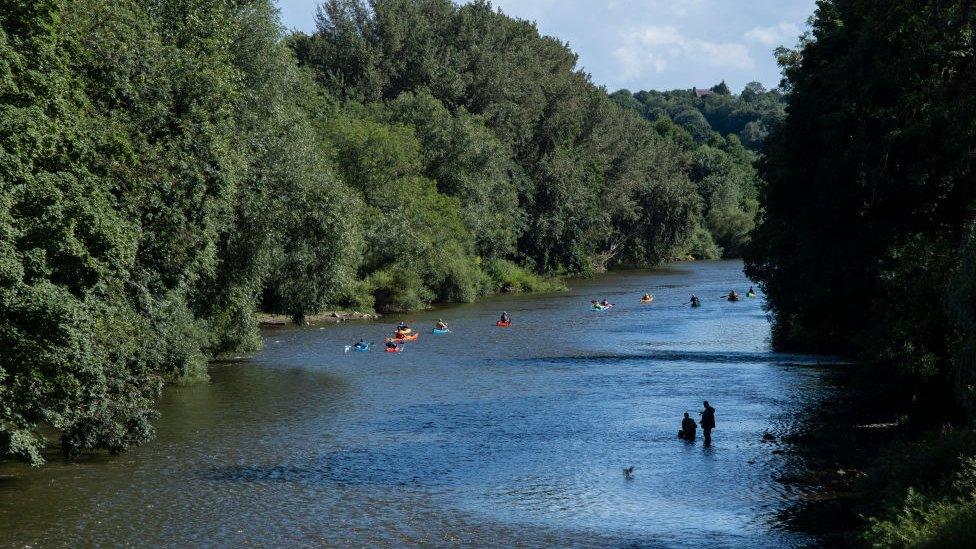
pixel 869 182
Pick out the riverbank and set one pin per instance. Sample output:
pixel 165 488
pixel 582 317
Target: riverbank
pixel 500 278
pixel 874 477
pixel 267 319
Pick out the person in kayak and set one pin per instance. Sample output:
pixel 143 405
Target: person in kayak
pixel 647 297
pixel 689 429
pixel 402 328
pixel 708 422
pixel 605 303
pixel 441 325
pixel 733 296
pixel 506 318
pixel 751 292
pixel 361 343
pixel 390 344
pixel 695 302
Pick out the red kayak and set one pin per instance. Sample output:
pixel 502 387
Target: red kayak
pixel 393 349
pixel 501 324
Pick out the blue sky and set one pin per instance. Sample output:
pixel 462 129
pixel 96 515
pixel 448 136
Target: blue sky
pixel 653 44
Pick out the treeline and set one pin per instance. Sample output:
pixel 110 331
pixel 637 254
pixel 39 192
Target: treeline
pixel 710 114
pixel 546 167
pixel 868 244
pixel 170 167
pixel 724 134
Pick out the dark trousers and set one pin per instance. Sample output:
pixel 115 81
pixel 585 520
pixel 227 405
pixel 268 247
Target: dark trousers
pixel 708 435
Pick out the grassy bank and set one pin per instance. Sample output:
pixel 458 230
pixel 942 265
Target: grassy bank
pixel 393 293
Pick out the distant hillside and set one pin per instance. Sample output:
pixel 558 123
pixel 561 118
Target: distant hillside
pixel 749 115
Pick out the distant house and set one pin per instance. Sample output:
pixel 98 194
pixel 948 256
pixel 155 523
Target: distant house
pixel 702 93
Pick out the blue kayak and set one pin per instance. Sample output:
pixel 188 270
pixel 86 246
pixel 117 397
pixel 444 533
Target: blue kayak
pixel 361 348
pixel 439 331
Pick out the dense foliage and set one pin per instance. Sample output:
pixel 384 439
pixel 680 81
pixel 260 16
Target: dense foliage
pixel 158 175
pixel 866 244
pixel 724 134
pixel 870 189
pixel 543 163
pixel 713 113
pixel 170 167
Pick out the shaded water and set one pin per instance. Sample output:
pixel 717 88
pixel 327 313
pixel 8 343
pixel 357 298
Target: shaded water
pixel 484 436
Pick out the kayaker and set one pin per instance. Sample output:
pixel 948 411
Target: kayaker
pixel 689 429
pixel 605 303
pixel 733 296
pixel 506 318
pixel 647 297
pixel 362 343
pixel 751 292
pixel 403 328
pixel 390 344
pixel 708 422
pixel 441 325
pixel 695 302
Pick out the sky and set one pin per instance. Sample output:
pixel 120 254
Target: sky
pixel 653 44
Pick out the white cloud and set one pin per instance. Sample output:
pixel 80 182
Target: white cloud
pixel 783 33
pixel 634 62
pixel 655 48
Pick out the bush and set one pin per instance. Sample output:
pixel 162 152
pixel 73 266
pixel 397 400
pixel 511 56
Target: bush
pixel 507 277
pixel 397 289
pixel 928 492
pixel 700 245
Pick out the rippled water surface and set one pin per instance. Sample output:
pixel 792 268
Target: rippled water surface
pixel 484 436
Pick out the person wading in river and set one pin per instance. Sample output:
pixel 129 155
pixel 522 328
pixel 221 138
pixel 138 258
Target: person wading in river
pixel 708 422
pixel 688 429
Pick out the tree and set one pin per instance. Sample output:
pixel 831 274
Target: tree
pixel 721 88
pixel 870 209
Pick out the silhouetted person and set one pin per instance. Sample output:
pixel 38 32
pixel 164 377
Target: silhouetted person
pixel 708 422
pixel 688 428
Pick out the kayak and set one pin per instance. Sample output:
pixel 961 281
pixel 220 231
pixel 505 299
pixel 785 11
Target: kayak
pixel 646 300
pixel 361 348
pixel 602 307
pixel 393 349
pixel 501 324
pixel 440 331
pixel 696 303
pixel 750 295
pixel 406 337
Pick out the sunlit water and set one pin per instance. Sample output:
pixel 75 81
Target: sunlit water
pixel 485 436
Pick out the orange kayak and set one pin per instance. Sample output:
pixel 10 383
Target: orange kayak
pixel 501 324
pixel 406 337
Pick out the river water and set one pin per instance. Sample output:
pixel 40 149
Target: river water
pixel 482 437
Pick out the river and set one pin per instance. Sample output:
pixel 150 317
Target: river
pixel 482 437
